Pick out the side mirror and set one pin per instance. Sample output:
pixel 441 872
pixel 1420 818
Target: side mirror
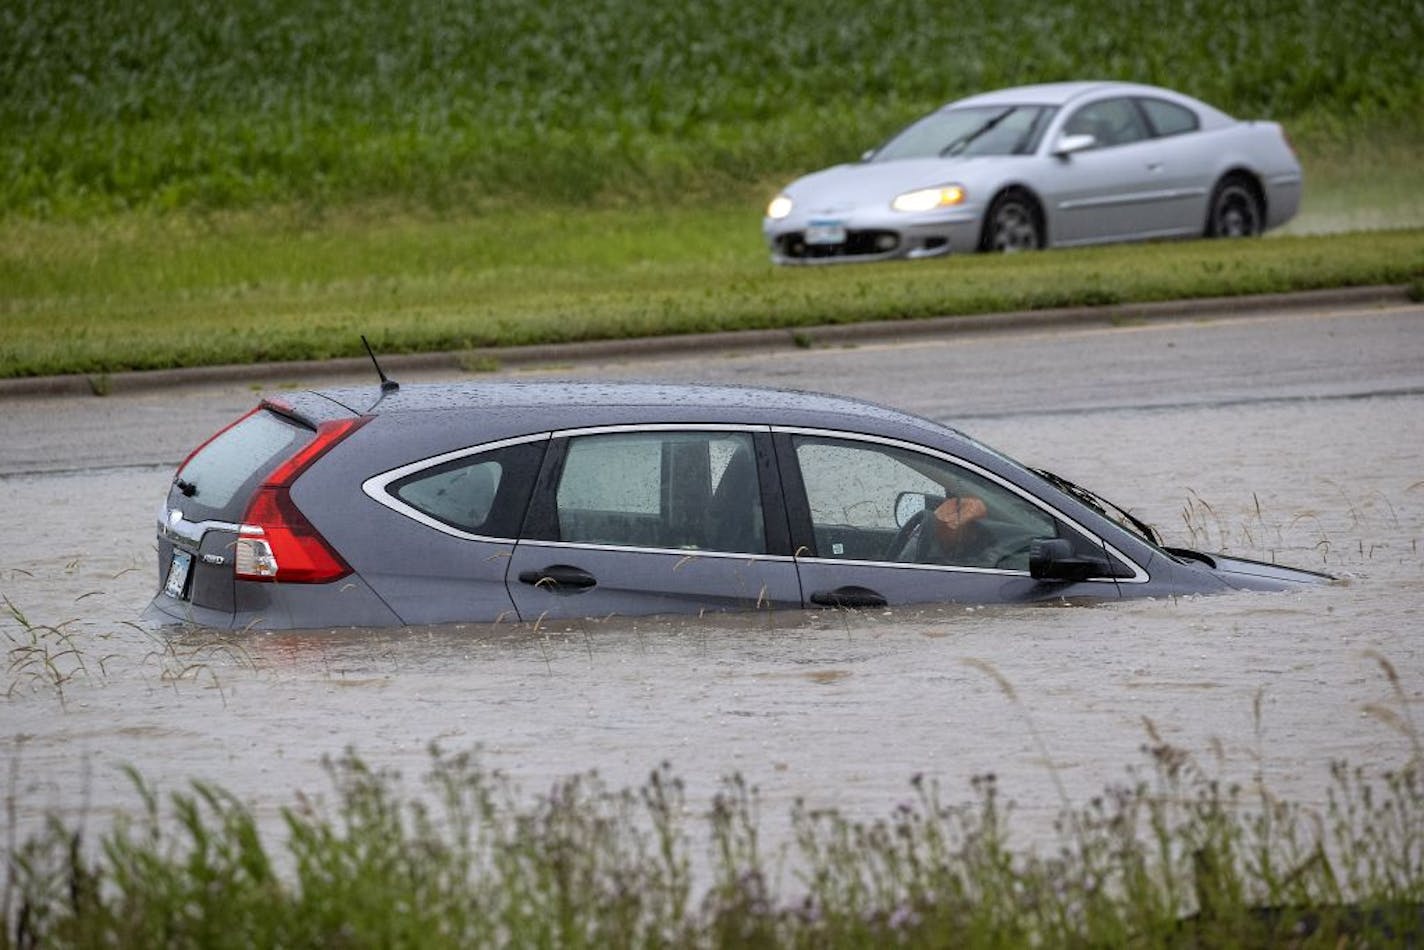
pixel 866 155
pixel 1068 144
pixel 910 503
pixel 1053 559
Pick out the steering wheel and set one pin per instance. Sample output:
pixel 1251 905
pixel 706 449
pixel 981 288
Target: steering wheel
pixel 900 544
pixel 1012 556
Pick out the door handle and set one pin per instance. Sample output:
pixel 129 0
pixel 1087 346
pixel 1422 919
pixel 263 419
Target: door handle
pixel 1154 166
pixel 848 597
pixel 559 577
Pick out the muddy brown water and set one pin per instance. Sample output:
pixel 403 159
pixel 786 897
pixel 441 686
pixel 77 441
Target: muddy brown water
pixel 836 708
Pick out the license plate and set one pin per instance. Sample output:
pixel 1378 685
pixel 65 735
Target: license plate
pixel 178 570
pixel 825 232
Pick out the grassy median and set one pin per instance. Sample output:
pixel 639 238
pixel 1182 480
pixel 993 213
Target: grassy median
pixel 144 293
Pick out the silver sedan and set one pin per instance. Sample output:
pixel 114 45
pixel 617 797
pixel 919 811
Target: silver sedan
pixel 1051 165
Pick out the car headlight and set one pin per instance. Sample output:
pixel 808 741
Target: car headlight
pixel 928 199
pixel 779 208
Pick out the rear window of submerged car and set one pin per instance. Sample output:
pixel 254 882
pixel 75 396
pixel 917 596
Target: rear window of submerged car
pixel 223 473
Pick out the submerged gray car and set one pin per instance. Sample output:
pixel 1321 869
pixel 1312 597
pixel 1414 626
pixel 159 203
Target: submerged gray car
pixel 1051 165
pixel 520 501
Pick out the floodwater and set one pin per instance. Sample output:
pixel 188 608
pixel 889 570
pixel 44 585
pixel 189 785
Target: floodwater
pixel 837 708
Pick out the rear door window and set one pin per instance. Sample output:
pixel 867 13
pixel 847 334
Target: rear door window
pixel 222 474
pixel 667 490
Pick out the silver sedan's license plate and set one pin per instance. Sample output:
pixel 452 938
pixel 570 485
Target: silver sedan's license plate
pixel 178 570
pixel 825 232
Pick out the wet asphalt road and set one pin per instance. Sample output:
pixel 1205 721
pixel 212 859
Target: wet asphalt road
pixel 1287 355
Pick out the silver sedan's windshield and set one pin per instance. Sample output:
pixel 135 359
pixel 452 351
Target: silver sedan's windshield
pixel 977 130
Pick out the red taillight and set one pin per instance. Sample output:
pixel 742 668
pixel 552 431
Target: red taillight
pixel 276 542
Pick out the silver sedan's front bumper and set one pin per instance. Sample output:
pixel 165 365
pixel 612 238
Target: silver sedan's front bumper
pixel 878 237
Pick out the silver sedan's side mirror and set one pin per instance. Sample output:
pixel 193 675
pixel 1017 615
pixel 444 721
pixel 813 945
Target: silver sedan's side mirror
pixel 1068 144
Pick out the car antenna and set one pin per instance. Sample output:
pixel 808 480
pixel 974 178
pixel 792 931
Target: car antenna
pixel 387 385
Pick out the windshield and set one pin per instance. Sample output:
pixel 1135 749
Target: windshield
pixel 976 130
pixel 1124 518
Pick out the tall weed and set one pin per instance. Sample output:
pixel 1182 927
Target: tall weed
pixel 1169 857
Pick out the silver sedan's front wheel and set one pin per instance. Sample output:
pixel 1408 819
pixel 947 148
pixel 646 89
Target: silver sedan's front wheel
pixel 1012 225
pixel 1235 210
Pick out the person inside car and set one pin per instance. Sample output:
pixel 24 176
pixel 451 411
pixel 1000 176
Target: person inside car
pixel 954 524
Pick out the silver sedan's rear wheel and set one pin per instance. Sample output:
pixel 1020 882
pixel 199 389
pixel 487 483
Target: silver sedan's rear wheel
pixel 1013 224
pixel 1235 210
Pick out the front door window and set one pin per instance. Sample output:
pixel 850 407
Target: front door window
pixel 1110 122
pixel 882 503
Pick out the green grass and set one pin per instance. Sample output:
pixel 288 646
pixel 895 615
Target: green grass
pixel 143 292
pixel 112 105
pixel 187 182
pixel 1168 858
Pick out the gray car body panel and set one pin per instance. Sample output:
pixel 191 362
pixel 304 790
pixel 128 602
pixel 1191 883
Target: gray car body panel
pixel 632 581
pixel 405 571
pixel 349 602
pixel 1155 188
pixel 423 576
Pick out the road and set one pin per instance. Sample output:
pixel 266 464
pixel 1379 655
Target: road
pixel 1287 355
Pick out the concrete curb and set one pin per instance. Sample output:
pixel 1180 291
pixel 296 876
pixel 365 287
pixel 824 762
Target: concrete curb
pixel 597 351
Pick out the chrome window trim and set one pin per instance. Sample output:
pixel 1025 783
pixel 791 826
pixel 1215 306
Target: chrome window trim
pixel 910 565
pixel 684 552
pixel 661 427
pixel 376 487
pixel 1140 575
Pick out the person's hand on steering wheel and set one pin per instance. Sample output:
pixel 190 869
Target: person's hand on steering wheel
pixel 953 518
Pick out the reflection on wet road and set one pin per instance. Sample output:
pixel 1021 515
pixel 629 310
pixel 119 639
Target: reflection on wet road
pixel 839 708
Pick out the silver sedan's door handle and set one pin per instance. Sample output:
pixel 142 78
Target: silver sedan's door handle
pixel 1154 166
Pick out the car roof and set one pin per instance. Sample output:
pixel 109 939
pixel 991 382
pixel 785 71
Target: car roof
pixel 633 401
pixel 1059 93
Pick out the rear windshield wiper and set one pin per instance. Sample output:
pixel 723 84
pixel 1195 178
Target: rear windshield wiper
pixel 1098 503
